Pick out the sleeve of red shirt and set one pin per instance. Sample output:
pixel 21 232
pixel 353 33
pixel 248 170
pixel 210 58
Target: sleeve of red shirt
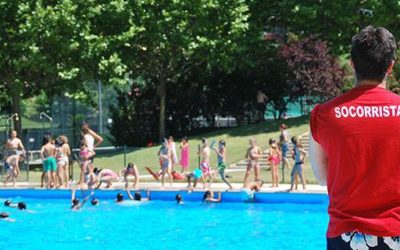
pixel 314 123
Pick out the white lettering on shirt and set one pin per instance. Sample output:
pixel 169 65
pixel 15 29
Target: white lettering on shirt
pixel 359 111
pixel 337 112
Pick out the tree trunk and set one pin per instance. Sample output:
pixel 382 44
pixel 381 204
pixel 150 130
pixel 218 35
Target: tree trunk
pixel 16 108
pixel 162 92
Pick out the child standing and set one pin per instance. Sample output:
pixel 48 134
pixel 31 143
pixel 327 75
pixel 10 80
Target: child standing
pixel 274 159
pixel 221 155
pixel 165 155
pixel 12 167
pixel 299 155
pixel 84 155
pixel 47 154
pixel 184 154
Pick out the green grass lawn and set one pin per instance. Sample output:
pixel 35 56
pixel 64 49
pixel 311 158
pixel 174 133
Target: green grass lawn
pixel 236 143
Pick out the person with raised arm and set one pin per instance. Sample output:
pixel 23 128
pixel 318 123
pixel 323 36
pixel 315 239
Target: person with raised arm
pixel 91 139
pixel 221 158
pixel 76 204
pixel 209 197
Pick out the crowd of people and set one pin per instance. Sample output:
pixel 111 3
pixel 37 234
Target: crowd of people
pixel 56 155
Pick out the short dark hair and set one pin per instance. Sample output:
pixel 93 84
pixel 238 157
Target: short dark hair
pixel 120 197
pixel 21 206
pixel 372 52
pixel 137 196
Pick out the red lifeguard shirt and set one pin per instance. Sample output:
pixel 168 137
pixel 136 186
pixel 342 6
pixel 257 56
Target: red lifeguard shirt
pixel 360 134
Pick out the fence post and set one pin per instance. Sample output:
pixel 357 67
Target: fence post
pixel 124 155
pixel 27 156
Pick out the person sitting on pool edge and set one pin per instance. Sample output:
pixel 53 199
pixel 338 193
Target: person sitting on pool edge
pixel 247 193
pixel 130 171
pixel 20 205
pixel 209 197
pixel 196 175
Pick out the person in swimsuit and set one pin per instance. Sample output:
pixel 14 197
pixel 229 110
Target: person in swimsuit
pixel 205 163
pixel 196 174
pixel 76 204
pixel 284 144
pixel 209 197
pixel 20 205
pixel 165 156
pixel 91 139
pixel 137 196
pixel 63 153
pixel 253 155
pixel 179 199
pixel 47 154
pixel 172 148
pixel 6 217
pixel 84 155
pixel 90 177
pixel 248 192
pixel 221 157
pixel 130 170
pixel 13 144
pixel 274 159
pixel 11 165
pixel 184 154
pixel 299 155
pixel 105 176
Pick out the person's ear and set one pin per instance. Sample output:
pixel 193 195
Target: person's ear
pixel 390 68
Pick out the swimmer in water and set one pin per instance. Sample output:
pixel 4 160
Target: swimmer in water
pixel 5 216
pixel 76 204
pixel 209 197
pixel 94 202
pixel 179 199
pixel 136 197
pixel 20 205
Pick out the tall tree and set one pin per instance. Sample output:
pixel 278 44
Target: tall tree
pixel 176 36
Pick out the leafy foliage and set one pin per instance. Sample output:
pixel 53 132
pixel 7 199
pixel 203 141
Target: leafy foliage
pixel 315 73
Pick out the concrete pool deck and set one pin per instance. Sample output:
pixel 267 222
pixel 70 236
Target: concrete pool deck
pixel 311 189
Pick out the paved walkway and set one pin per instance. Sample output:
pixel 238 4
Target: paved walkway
pixel 182 186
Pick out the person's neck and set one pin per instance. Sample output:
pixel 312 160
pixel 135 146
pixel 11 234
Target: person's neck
pixel 381 84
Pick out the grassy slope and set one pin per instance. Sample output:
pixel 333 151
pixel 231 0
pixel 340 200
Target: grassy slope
pixel 236 141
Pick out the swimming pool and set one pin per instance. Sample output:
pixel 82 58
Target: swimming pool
pixel 165 225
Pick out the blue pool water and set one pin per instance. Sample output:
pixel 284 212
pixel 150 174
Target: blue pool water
pixel 164 225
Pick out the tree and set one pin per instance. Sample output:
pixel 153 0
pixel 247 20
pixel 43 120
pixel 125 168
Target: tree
pixel 315 73
pixel 56 46
pixel 176 36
